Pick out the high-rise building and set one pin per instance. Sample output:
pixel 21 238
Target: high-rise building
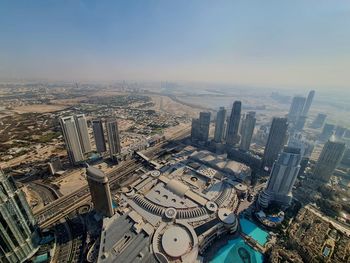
pixel 298 141
pixel 220 125
pixel 275 142
pixel 347 133
pixel 113 137
pixel 195 129
pixel 282 178
pixel 308 103
pixel 204 125
pixel 200 127
pixel 331 155
pixel 232 136
pixel 319 121
pixel 327 132
pixel 18 234
pixel 247 130
pixel 71 138
pixel 339 132
pixel 99 135
pixel 296 109
pixel 100 192
pixel 346 157
pixel 82 128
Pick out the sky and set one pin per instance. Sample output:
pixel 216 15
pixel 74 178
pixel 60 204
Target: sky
pixel 303 43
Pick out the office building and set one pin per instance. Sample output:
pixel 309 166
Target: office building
pixel 83 133
pixel 200 127
pixel 204 125
pixel 331 155
pixel 282 178
pixel 100 192
pixel 247 130
pixel 339 132
pixel 99 135
pixel 18 234
pixel 308 103
pixel 275 142
pixel 297 140
pixel 318 121
pixel 296 109
pixel 347 133
pixel 327 132
pixel 232 136
pixel 220 125
pixel 346 157
pixel 71 138
pixel 113 137
pixel 195 129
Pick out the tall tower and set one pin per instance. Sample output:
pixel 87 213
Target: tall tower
pixel 319 121
pixel 308 103
pixel 248 125
pixel 327 132
pixel 113 137
pixel 296 109
pixel 220 125
pixel 232 136
pixel 71 138
pixel 99 135
pixel 18 234
pixel 275 142
pixel 195 129
pixel 100 192
pixel 329 159
pixel 282 178
pixel 204 125
pixel 82 128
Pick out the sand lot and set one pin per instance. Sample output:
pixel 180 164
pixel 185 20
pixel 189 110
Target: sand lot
pixel 39 108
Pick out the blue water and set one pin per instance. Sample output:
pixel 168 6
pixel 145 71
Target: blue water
pixel 254 231
pixel 274 219
pixel 229 253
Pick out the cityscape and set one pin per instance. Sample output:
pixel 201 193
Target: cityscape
pixel 170 169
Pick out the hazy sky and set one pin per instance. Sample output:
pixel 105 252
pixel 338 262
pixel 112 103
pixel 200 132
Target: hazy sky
pixel 287 43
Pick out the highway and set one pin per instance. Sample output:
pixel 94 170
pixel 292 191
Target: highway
pixel 61 207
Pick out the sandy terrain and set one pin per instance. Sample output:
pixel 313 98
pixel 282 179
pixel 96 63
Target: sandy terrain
pixel 39 108
pixel 164 103
pixel 31 156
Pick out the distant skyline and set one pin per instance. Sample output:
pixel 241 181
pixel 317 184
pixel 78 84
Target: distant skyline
pixel 261 43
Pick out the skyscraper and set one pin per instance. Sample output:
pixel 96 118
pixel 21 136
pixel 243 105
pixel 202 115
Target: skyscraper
pixel 71 138
pixel 318 121
pixel 232 136
pixel 99 135
pixel 339 132
pixel 282 178
pixel 195 129
pixel 296 109
pixel 220 125
pixel 200 127
pixel 275 142
pixel 327 132
pixel 329 159
pixel 18 234
pixel 82 128
pixel 100 192
pixel 204 125
pixel 308 103
pixel 113 137
pixel 248 125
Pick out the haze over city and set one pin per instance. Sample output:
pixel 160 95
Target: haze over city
pixel 271 43
pixel 174 131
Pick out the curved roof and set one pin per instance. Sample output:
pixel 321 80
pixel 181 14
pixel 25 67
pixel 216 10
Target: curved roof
pixel 96 175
